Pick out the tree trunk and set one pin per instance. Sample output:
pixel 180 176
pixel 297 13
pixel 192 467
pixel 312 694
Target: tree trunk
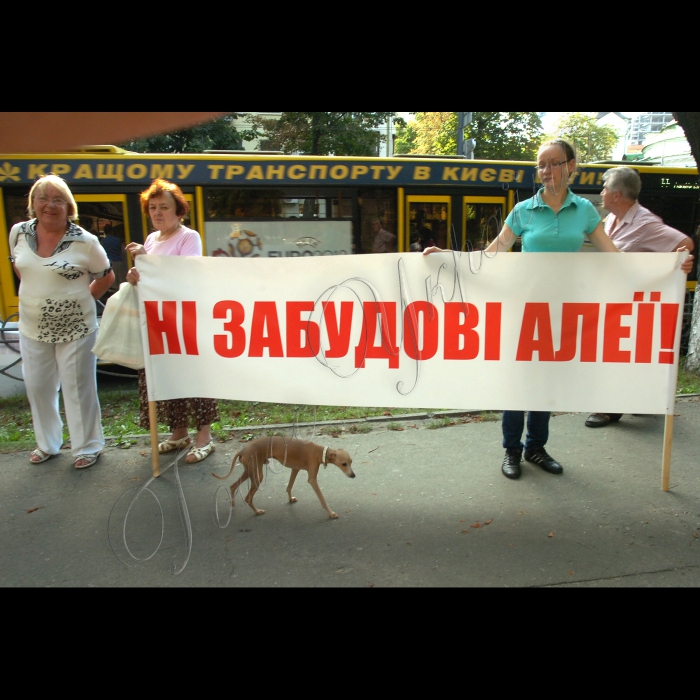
pixel 690 123
pixel 316 125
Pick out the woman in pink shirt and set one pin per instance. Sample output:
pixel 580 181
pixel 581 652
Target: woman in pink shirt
pixel 164 202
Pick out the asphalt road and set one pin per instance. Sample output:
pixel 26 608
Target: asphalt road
pixel 429 508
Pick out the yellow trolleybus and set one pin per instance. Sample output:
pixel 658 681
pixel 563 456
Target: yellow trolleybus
pixel 270 205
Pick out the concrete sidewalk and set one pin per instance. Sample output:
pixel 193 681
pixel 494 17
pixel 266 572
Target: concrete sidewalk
pixel 429 508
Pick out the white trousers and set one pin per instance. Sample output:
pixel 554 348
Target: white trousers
pixel 70 367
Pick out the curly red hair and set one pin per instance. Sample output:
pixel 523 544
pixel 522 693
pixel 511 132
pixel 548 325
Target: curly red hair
pixel 157 189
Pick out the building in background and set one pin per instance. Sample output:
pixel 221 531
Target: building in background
pixel 621 124
pixel 258 144
pixel 646 123
pixel 668 147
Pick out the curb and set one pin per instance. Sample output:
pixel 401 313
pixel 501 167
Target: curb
pixel 350 421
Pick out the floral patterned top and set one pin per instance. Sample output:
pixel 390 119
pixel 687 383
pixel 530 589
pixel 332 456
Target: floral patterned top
pixel 55 303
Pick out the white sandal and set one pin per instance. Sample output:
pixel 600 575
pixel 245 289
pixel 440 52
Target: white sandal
pixel 41 455
pixel 199 453
pixel 172 445
pixel 86 461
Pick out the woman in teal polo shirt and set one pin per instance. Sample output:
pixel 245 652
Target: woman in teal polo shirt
pixel 555 220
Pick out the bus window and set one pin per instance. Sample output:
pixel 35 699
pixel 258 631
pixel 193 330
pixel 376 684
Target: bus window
pixel 342 206
pixel 483 221
pixel 678 212
pixel 376 204
pixel 105 217
pixel 16 203
pixel 16 208
pixel 100 216
pixel 429 221
pixel 252 223
pixel 224 204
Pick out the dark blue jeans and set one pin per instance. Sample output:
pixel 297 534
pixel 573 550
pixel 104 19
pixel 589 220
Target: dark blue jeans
pixel 537 430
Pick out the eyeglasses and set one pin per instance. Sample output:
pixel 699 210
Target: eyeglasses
pixel 56 201
pixel 551 165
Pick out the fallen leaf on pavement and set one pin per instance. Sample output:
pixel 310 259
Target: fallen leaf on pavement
pixel 551 534
pixel 476 526
pixel 34 510
pixel 488 522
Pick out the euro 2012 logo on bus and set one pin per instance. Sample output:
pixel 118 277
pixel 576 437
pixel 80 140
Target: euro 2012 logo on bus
pixel 241 244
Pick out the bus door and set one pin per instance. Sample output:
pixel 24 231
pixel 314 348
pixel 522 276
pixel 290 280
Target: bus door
pixel 9 284
pixel 428 221
pixel 106 216
pixel 483 219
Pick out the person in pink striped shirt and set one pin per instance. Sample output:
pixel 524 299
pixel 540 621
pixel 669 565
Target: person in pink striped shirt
pixel 635 229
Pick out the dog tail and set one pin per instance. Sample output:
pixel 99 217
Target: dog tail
pixel 233 466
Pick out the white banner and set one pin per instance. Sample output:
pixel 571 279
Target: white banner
pixel 546 332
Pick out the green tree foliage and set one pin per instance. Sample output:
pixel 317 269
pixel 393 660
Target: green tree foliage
pixel 326 133
pixel 429 134
pixel 592 141
pixel 498 135
pixel 506 135
pixel 219 134
pixel 406 137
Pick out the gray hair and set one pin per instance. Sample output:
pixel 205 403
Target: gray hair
pixel 624 180
pixel 39 187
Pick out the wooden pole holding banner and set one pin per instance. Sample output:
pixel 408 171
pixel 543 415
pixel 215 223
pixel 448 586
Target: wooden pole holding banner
pixel 155 455
pixel 668 443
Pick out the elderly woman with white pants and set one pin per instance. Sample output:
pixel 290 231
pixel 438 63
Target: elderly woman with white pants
pixel 62 270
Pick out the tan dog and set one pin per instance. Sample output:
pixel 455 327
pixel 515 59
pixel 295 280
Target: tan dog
pixel 296 455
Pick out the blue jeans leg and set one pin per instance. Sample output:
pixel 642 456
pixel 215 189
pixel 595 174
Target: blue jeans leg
pixel 537 429
pixel 513 425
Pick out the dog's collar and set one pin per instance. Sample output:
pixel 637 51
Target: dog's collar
pixel 325 452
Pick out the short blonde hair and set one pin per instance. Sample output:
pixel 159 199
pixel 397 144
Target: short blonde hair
pixel 39 187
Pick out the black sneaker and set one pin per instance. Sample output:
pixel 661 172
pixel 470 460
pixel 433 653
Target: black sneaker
pixel 542 459
pixel 511 464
